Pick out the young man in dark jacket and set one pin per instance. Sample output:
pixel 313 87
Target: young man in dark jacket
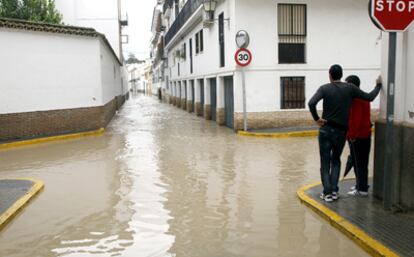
pixel 359 139
pixel 337 99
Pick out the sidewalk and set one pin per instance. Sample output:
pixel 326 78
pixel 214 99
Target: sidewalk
pixel 14 194
pixel 379 232
pixel 46 139
pixel 308 131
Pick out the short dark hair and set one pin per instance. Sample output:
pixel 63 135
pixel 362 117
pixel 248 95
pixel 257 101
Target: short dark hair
pixel 353 79
pixel 336 72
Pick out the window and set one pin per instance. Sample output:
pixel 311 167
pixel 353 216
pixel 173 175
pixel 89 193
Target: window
pixel 292 33
pixel 292 92
pixel 221 39
pixel 199 42
pixel 190 45
pixel 184 52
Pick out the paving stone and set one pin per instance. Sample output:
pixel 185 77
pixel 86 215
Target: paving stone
pixel 394 230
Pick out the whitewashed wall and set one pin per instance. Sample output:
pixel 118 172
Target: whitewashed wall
pixel 45 71
pixel 206 63
pixel 110 75
pixel 338 32
pixel 404 88
pixel 102 15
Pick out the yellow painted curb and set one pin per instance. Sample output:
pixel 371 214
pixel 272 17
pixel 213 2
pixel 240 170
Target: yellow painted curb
pixel 18 205
pixel 52 138
pixel 357 235
pixel 309 133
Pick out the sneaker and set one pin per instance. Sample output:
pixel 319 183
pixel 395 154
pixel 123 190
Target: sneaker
pixel 352 188
pixel 335 196
pixel 327 198
pixel 358 193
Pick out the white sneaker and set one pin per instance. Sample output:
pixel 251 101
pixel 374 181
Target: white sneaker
pixel 335 196
pixel 357 193
pixel 326 198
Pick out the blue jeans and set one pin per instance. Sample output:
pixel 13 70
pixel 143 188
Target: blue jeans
pixel 331 145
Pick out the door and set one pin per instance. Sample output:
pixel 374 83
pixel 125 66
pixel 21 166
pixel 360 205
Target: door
pixel 229 102
pixel 213 94
pixel 185 91
pixel 192 93
pixel 202 95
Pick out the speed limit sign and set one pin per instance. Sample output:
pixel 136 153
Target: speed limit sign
pixel 243 57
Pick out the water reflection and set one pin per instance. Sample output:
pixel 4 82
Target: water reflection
pixel 162 182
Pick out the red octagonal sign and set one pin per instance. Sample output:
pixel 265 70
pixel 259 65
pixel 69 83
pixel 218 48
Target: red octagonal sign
pixel 392 15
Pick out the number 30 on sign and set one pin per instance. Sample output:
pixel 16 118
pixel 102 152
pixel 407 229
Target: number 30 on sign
pixel 243 57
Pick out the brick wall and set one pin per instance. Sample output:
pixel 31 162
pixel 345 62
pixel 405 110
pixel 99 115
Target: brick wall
pixel 27 125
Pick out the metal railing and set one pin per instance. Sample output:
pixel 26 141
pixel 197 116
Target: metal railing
pixel 189 9
pixel 292 28
pixel 167 4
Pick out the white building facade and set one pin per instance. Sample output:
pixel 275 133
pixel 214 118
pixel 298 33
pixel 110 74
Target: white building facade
pixel 72 80
pixel 137 76
pixel 102 15
pixel 158 56
pixel 293 45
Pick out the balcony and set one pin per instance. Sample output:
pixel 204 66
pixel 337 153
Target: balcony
pixel 186 12
pixel 168 4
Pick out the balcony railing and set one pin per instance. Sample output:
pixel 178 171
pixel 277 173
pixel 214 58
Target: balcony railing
pixel 167 4
pixel 188 10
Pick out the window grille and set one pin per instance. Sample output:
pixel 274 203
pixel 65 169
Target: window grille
pixel 292 33
pixel 292 92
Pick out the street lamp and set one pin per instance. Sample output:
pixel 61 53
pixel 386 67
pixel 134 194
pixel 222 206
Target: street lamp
pixel 209 8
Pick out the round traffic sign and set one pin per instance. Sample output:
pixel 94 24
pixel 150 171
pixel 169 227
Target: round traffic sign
pixel 243 57
pixel 395 15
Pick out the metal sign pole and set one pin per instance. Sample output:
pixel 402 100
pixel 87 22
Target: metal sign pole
pixel 389 131
pixel 244 100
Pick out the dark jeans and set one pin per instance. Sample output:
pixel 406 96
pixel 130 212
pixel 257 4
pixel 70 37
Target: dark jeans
pixel 331 145
pixel 360 149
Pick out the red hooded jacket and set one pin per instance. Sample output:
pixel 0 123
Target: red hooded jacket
pixel 359 124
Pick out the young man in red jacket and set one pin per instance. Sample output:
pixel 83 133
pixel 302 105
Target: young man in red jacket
pixel 359 138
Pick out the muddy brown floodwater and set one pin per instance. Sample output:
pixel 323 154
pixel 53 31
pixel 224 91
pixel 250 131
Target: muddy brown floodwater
pixel 162 182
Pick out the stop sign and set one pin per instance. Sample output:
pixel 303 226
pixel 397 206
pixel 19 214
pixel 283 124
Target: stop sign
pixel 392 15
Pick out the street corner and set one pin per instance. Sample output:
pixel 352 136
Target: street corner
pixel 281 132
pixel 16 194
pixel 363 220
pixel 47 139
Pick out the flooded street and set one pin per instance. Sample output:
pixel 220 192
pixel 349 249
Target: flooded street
pixel 163 182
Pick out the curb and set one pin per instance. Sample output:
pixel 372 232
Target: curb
pixel 24 200
pixel 369 244
pixel 309 133
pixel 51 138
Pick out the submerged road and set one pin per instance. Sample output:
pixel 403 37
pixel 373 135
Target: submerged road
pixel 163 182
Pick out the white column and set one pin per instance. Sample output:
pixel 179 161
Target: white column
pixel 189 90
pixel 207 92
pixel 220 92
pixel 182 89
pixel 197 91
